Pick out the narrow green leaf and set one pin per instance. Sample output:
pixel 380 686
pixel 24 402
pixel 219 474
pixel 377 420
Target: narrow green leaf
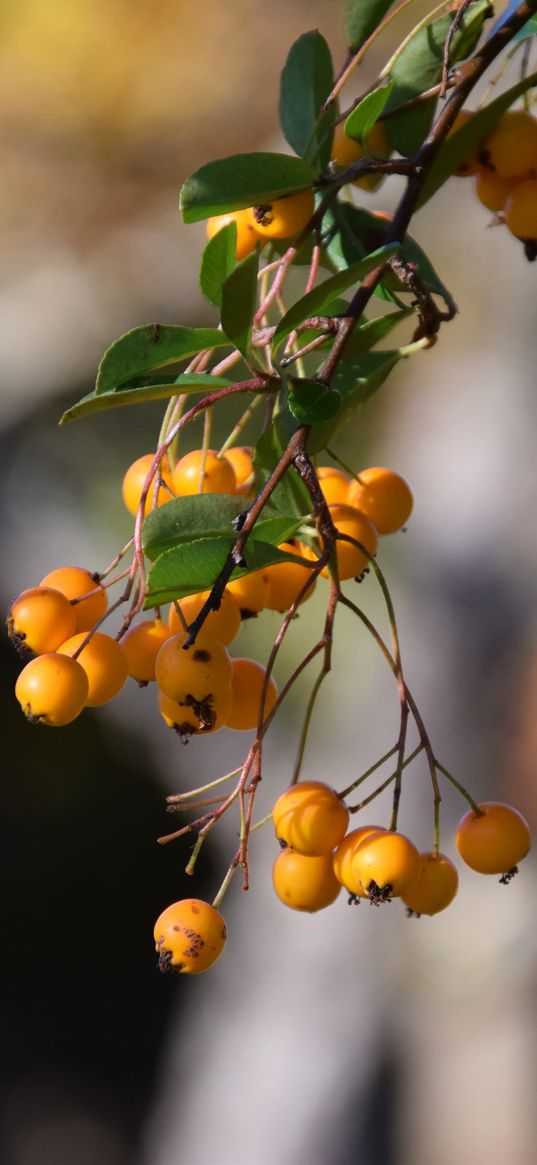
pixel 363 117
pixel 371 333
pixel 243 180
pixel 151 388
pixel 290 495
pixel 312 403
pixel 150 347
pixel 356 379
pixel 217 262
pixel 528 30
pixel 362 17
pixel 314 302
pixel 467 139
pixel 420 66
pixel 305 83
pixel 194 566
pixel 239 301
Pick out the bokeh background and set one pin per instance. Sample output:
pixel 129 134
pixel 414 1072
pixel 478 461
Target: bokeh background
pixel 345 1037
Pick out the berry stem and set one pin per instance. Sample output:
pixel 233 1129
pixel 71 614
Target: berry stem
pixel 464 792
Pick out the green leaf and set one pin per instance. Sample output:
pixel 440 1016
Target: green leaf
pixel 419 66
pixel 313 303
pixel 312 403
pixel 188 519
pixel 217 262
pixel 239 301
pixel 305 84
pixel 151 388
pixel 356 379
pixel 468 139
pixel 194 566
pixel 243 180
pixel 371 333
pixel 290 495
pixel 529 29
pixel 150 347
pixel 362 17
pixel 363 117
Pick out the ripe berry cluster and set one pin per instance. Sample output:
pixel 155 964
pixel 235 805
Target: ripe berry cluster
pixel 504 168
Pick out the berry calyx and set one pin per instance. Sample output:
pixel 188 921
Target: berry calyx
pixel 285 216
pixel 386 865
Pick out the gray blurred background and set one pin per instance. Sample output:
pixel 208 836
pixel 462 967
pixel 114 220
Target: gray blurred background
pixel 344 1038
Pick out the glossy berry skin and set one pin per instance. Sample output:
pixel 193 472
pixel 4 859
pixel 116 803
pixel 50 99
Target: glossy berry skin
pixel 242 460
pixel 218 474
pixel 284 217
pixel 74 581
pixel 223 623
pixel 247 679
pixel 334 484
pixel 190 936
pixel 511 148
pixel 141 645
pixel 492 190
pixel 196 718
pixel 286 580
pixel 134 481
pixel 384 496
pixel 343 854
pixel 346 151
pixel 52 689
pixel 386 865
pixel 104 664
pixel 520 210
pixel 39 620
pixel 310 818
pixel 495 841
pixel 305 883
pixel 247 237
pixel 197 673
pixel 436 886
pixel 351 560
pixel 250 592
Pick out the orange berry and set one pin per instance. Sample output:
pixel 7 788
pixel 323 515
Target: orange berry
pixel 284 217
pixel 134 481
pixel 218 474
pixel 334 484
pixel 52 689
pixel 247 237
pixel 103 662
pixel 511 148
pixel 436 886
pixel 384 496
pixel 343 855
pixel 305 883
pixel 310 818
pixel 520 210
pixel 346 151
pixel 492 190
pixel 351 560
pixel 194 674
pixel 286 580
pixel 141 645
pixel 250 592
pixel 386 865
pixel 247 679
pixel 189 936
pixel 223 623
pixel 39 620
pixel 196 718
pixel 74 581
pixel 494 840
pixel 242 460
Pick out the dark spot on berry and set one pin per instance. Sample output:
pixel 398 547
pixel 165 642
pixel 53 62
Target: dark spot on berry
pixel 201 655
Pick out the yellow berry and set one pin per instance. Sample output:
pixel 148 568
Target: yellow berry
pixel 196 718
pixel 74 581
pixel 305 883
pixel 193 674
pixel 351 560
pixel 247 679
pixel 190 936
pixel 134 481
pixel 384 496
pixel 286 580
pixel 52 689
pixel 310 818
pixel 285 216
pixel 39 620
pixel 141 645
pixel 218 474
pixel 436 886
pixel 103 662
pixel 223 623
pixel 247 237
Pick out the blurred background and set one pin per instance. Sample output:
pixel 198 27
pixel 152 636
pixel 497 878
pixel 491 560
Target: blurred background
pixel 345 1037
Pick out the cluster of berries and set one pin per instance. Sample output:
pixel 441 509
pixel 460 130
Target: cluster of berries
pixel 505 171
pixel 319 857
